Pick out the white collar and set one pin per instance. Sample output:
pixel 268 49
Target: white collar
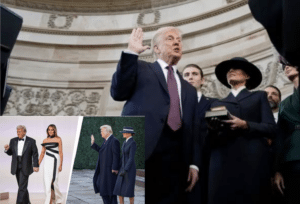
pixel 199 94
pixel 128 138
pixel 23 138
pixel 235 92
pixel 163 65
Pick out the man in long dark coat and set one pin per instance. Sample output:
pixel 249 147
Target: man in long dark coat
pixel 158 92
pixel 107 165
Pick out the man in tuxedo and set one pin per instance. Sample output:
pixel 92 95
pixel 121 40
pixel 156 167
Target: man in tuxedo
pixel 158 92
pixel 193 74
pixel 107 167
pixel 24 161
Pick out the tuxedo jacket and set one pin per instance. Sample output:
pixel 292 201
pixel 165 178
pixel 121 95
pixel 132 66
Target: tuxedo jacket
pixel 109 159
pixel 144 88
pixel 30 155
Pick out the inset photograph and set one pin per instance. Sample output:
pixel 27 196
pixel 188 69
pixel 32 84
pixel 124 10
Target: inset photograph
pixel 37 158
pixel 109 166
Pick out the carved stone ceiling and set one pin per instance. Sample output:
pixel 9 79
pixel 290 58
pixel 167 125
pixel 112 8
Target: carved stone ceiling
pixel 92 6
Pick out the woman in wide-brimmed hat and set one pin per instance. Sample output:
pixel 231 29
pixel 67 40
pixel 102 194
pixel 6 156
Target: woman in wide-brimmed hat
pixel 126 179
pixel 287 144
pixel 239 170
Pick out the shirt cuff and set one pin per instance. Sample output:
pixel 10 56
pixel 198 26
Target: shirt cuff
pixel 127 51
pixel 5 150
pixel 194 167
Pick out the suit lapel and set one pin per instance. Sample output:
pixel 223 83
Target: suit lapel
pixel 243 94
pixel 203 103
pixel 183 90
pixel 16 145
pixel 160 75
pixel 230 99
pixel 25 145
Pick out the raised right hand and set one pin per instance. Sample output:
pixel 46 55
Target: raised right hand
pixel 6 147
pixel 136 41
pixel 92 139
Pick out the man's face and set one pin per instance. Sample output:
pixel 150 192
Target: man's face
pixel 236 76
pixel 273 97
pixel 193 76
pixel 104 133
pixel 169 45
pixel 21 133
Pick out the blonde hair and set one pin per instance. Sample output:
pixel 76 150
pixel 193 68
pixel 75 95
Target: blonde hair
pixel 107 127
pixel 22 127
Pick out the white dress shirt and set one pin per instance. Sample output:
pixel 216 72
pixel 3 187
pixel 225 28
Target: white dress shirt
pixel 275 116
pixel 235 92
pixel 128 138
pixel 199 94
pixel 21 146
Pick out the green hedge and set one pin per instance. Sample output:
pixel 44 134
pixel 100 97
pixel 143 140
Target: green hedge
pixel 86 157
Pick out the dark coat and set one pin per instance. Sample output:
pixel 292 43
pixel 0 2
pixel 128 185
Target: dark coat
pixel 287 144
pixel 281 20
pixel 199 193
pixel 125 184
pixel 144 88
pixel 109 158
pixel 240 166
pixel 30 155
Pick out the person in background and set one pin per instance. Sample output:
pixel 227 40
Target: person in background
pixel 274 98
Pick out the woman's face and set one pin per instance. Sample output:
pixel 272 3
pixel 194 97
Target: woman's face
pixel 51 131
pixel 236 75
pixel 126 135
pixel 291 72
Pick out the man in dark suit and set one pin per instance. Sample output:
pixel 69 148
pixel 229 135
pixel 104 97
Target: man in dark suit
pixel 239 169
pixel 193 74
pixel 158 92
pixel 24 161
pixel 107 165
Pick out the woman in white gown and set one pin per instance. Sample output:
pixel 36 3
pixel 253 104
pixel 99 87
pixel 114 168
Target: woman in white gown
pixel 52 151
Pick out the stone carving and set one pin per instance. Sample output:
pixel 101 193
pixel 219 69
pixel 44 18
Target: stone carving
pixel 68 21
pixel 47 101
pixel 149 17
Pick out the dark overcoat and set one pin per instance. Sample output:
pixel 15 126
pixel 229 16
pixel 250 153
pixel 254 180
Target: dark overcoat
pixel 199 193
pixel 30 155
pixel 109 158
pixel 144 88
pixel 240 166
pixel 125 184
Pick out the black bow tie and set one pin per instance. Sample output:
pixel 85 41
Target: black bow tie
pixel 21 139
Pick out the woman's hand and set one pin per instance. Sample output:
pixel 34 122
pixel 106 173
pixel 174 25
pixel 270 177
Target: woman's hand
pixel 59 168
pixel 236 123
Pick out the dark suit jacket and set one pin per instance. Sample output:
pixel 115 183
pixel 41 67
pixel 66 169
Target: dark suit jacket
pixel 281 20
pixel 30 155
pixel 240 160
pixel 109 158
pixel 143 86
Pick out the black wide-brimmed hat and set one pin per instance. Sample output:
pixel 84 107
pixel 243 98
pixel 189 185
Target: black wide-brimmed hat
pixel 127 129
pixel 239 63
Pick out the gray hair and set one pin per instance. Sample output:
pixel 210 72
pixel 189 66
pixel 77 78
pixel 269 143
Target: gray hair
pixel 158 34
pixel 22 127
pixel 107 127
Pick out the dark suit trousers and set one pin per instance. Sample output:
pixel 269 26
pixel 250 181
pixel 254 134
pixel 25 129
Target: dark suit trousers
pixel 23 195
pixel 291 176
pixel 166 172
pixel 110 199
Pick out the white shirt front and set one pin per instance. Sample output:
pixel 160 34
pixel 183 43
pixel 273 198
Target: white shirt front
pixel 235 92
pixel 275 116
pixel 21 146
pixel 199 94
pixel 128 138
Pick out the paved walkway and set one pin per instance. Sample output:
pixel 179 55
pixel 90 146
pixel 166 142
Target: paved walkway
pixel 82 191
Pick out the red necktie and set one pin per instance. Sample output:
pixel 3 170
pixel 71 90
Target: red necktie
pixel 174 119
